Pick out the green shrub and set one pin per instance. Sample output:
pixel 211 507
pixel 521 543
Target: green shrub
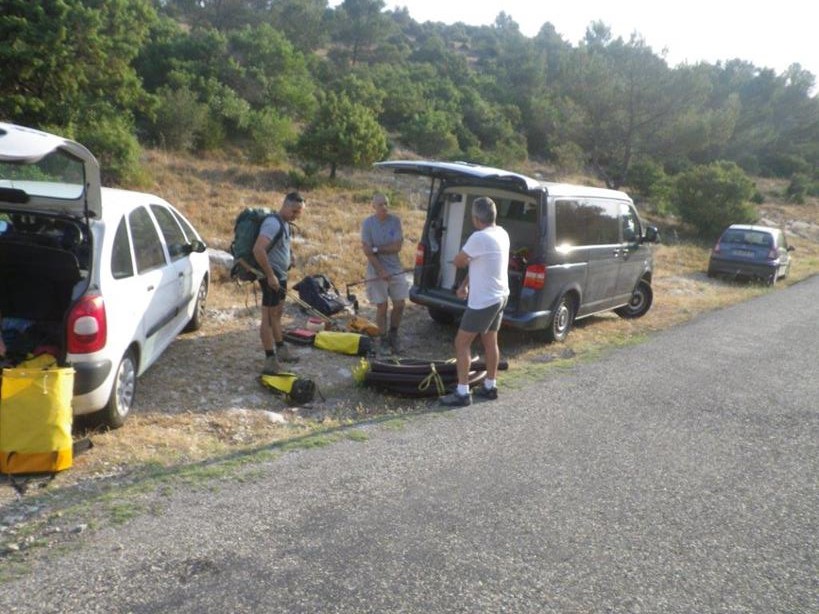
pixel 784 165
pixel 798 188
pixel 180 118
pixel 113 143
pixel 714 196
pixel 270 135
pixel 569 157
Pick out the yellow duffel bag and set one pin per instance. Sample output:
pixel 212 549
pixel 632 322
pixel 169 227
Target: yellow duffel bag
pixel 343 342
pixel 35 420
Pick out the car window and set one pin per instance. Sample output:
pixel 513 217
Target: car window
pixel 630 223
pixel 122 265
pixel 174 237
pixel 189 231
pixel 586 223
pixel 147 246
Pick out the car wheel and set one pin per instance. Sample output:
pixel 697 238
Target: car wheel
pixel 119 404
pixel 442 316
pixel 640 302
pixel 771 280
pixel 198 317
pixel 562 320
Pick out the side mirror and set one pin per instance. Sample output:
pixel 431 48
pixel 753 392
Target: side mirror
pixel 651 235
pixel 198 246
pixel 194 246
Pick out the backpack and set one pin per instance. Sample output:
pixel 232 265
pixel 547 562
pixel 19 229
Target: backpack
pixel 320 293
pixel 296 390
pixel 245 232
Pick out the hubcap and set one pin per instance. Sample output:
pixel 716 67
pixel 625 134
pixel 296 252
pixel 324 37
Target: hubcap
pixel 126 378
pixel 562 318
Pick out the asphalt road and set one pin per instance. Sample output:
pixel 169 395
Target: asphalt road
pixel 679 475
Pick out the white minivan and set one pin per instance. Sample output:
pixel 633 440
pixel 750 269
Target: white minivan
pixel 102 278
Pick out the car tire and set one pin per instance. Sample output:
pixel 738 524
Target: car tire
pixel 123 392
pixel 441 316
pixel 562 320
pixel 198 317
pixel 640 302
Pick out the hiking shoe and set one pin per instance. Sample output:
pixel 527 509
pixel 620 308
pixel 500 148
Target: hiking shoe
pixel 454 399
pixel 485 393
pixel 271 366
pixel 285 355
pixel 384 347
pixel 395 342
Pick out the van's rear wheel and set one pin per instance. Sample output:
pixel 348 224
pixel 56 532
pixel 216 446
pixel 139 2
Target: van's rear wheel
pixel 562 320
pixel 640 302
pixel 442 316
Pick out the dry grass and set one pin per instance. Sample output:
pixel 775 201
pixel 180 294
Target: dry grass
pixel 212 191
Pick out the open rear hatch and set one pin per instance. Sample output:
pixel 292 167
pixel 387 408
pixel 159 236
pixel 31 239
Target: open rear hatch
pixel 49 190
pixel 449 223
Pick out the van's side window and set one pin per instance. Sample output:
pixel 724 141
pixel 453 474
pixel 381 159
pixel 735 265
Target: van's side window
pixel 586 223
pixel 631 224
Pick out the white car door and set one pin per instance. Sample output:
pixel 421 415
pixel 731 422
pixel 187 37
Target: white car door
pixel 180 257
pixel 157 281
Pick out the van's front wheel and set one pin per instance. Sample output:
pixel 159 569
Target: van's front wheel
pixel 562 320
pixel 640 302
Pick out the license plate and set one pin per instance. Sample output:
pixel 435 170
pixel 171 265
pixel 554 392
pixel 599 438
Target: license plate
pixel 744 252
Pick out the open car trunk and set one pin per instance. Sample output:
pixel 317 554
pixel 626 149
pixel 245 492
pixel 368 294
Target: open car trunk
pixel 36 287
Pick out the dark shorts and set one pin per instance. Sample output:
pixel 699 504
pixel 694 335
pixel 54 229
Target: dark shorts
pixel 270 297
pixel 484 320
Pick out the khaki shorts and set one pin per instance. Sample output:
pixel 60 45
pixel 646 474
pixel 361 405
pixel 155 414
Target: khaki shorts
pixel 396 288
pixel 484 320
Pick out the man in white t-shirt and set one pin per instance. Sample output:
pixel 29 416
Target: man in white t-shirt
pixel 486 288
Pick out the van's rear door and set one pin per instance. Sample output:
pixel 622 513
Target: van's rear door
pixel 460 170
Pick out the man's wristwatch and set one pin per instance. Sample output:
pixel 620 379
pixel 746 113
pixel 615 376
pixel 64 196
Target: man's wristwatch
pixel 375 249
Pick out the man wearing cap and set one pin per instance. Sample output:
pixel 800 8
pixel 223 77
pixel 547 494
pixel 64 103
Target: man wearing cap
pixel 274 261
pixel 381 241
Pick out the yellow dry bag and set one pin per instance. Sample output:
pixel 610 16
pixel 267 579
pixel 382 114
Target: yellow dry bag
pixel 343 343
pixel 35 419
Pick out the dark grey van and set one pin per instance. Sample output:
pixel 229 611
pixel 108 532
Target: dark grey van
pixel 576 250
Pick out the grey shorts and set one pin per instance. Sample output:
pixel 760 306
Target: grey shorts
pixel 396 288
pixel 484 320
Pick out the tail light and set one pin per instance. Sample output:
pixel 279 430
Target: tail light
pixel 535 277
pixel 716 248
pixel 773 254
pixel 87 325
pixel 420 254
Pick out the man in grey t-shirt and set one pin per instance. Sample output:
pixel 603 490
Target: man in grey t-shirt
pixel 274 260
pixel 381 242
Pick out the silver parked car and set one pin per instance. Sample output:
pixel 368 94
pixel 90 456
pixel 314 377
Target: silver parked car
pixel 104 279
pixel 751 252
